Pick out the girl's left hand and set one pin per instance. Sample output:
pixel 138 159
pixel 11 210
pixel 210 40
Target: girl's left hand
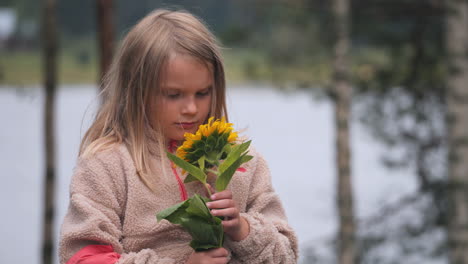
pixel 222 205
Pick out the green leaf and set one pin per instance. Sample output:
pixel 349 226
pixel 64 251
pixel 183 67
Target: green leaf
pixel 193 170
pixel 210 143
pixel 227 148
pixel 225 152
pixel 193 156
pixel 199 143
pixel 194 216
pixel 173 213
pixel 205 199
pixel 235 153
pixel 190 178
pixel 197 246
pixel 224 178
pixel 219 154
pixel 246 158
pixel 205 236
pixel 198 208
pixel 201 163
pixel 220 231
pixel 221 142
pixel 245 146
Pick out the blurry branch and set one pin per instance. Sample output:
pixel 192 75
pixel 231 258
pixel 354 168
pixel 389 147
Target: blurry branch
pixel 404 107
pixel 105 10
pixel 392 9
pixel 393 208
pixel 49 32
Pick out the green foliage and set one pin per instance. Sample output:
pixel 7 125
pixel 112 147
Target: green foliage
pixel 194 171
pixel 195 217
pixel 402 104
pixel 7 3
pixel 235 158
pixel 234 154
pixel 210 148
pixel 210 152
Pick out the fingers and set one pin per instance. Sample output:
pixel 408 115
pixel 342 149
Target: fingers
pixel 212 256
pixel 226 194
pixel 231 224
pixel 218 255
pixel 218 252
pixel 227 212
pixel 224 208
pixel 220 204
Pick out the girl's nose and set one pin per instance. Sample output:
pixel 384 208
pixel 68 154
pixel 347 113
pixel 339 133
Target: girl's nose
pixel 190 107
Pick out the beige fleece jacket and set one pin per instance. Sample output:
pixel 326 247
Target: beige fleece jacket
pixel 109 204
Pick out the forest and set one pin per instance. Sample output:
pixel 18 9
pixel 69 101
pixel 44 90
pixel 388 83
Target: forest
pixel 405 62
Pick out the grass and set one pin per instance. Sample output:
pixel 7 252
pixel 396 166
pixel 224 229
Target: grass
pixel 250 65
pixel 25 68
pixel 77 63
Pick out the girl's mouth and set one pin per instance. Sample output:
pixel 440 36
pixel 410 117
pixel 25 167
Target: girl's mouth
pixel 186 125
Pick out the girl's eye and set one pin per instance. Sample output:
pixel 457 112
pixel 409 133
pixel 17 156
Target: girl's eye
pixel 173 95
pixel 203 93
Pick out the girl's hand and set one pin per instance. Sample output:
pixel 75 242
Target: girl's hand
pixel 212 256
pixel 222 205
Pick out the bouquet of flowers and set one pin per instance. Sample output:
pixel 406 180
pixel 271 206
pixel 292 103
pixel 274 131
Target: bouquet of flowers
pixel 212 149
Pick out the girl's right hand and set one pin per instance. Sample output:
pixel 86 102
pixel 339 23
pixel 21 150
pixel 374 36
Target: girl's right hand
pixel 212 256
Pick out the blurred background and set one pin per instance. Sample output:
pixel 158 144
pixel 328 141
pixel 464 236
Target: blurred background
pixel 310 81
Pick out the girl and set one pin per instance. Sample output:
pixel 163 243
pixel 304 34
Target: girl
pixel 167 79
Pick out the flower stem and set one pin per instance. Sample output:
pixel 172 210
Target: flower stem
pixel 221 241
pixel 215 172
pixel 208 190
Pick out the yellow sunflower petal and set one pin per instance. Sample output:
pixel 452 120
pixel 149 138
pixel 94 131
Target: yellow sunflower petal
pixel 232 137
pixel 213 125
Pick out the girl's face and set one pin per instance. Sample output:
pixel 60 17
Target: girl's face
pixel 185 99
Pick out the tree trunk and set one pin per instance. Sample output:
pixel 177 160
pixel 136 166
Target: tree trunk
pixel 50 76
pixel 341 91
pixel 457 128
pixel 106 35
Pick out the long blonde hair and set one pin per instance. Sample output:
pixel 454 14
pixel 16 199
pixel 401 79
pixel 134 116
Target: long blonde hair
pixel 134 78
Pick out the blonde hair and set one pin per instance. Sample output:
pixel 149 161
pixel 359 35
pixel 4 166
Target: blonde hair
pixel 134 78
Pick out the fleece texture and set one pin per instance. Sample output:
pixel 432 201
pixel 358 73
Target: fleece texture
pixel 110 205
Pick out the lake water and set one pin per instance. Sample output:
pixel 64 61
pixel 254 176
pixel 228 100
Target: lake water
pixel 294 131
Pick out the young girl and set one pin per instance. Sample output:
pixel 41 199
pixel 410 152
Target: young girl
pixel 167 79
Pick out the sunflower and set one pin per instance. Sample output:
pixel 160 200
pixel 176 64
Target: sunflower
pixel 213 151
pixel 212 141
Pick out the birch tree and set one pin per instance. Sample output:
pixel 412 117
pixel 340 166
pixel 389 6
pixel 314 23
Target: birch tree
pixel 49 37
pixel 457 128
pixel 341 91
